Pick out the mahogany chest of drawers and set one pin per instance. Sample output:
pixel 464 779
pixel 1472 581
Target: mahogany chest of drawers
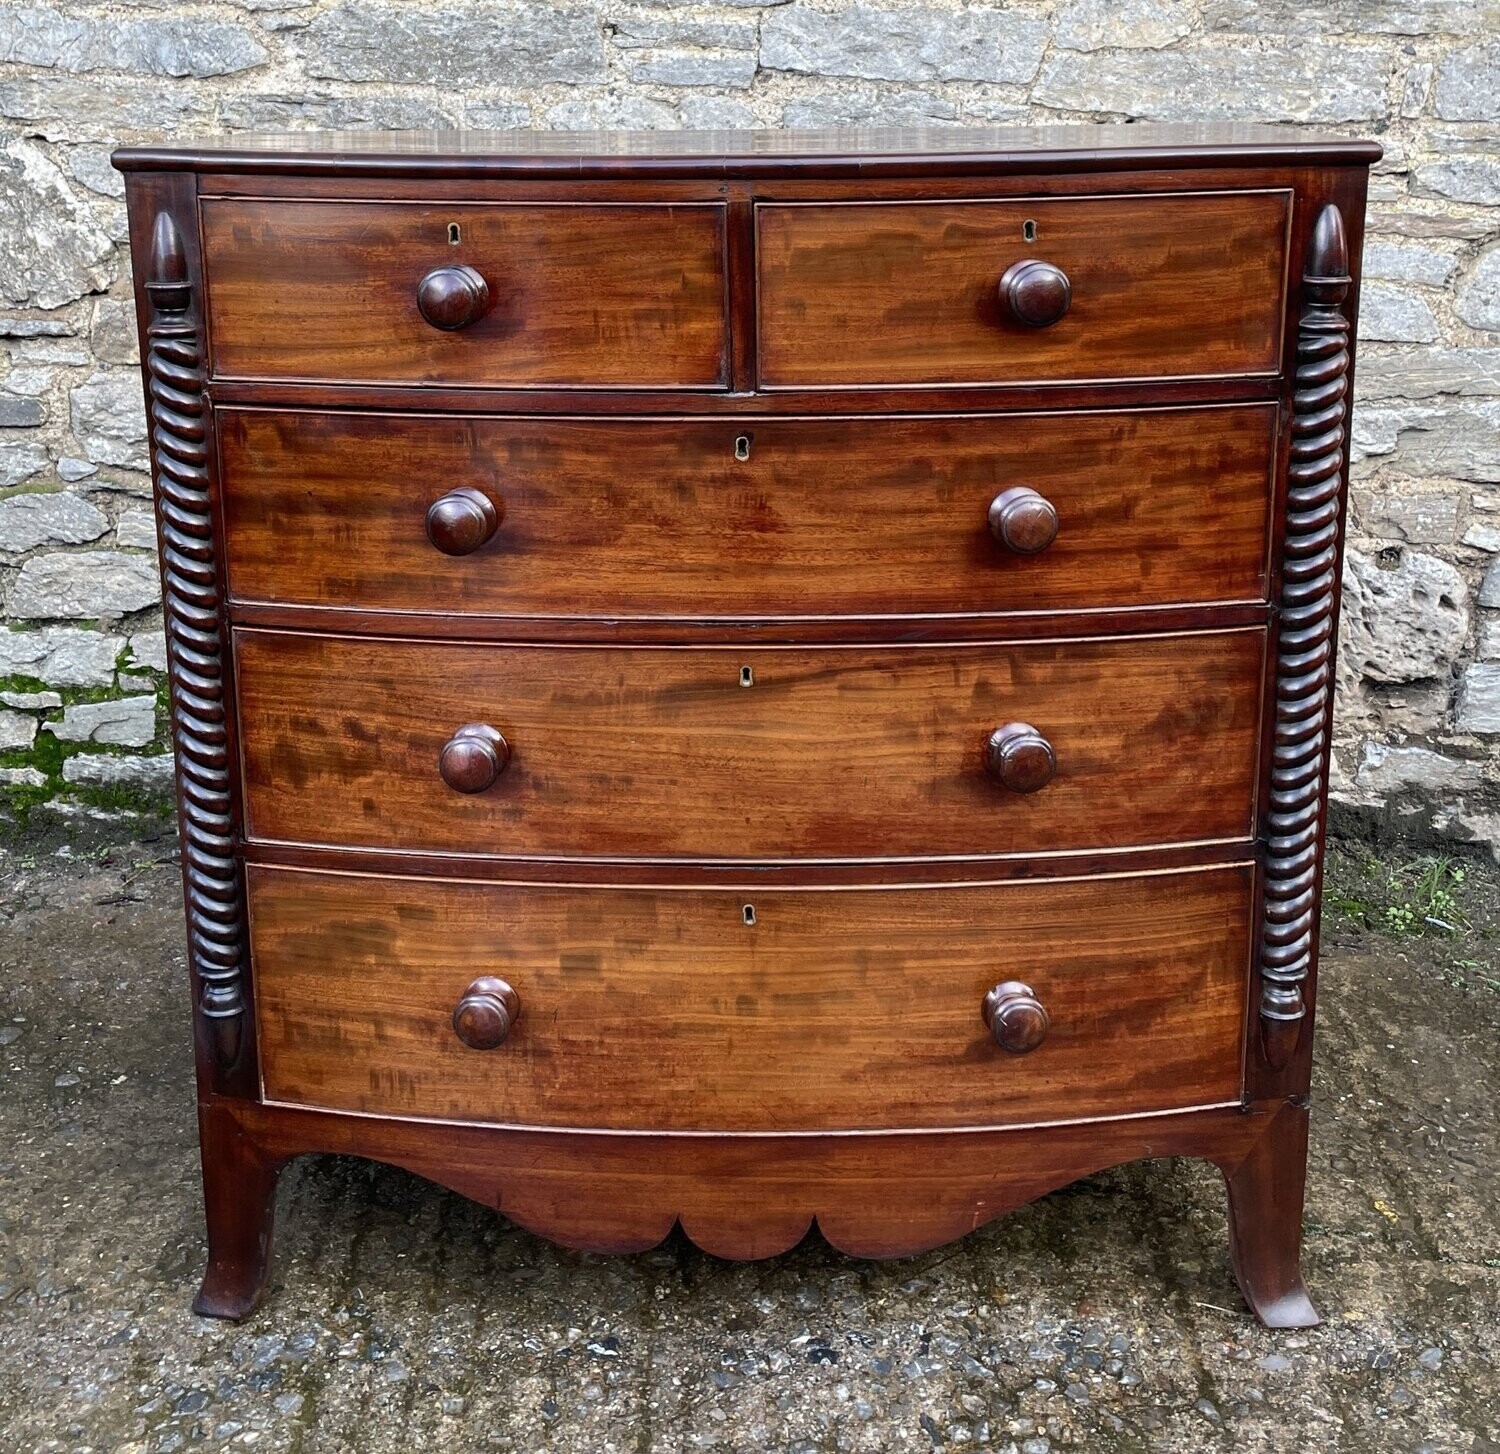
pixel 752 681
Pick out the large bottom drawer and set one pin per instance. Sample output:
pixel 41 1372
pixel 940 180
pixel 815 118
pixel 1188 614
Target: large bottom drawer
pixel 720 1010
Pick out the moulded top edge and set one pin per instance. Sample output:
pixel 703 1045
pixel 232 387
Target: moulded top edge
pixel 853 152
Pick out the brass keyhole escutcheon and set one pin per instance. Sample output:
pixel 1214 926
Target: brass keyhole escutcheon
pixel 747 676
pixel 742 447
pixel 749 914
pixel 1028 231
pixel 455 234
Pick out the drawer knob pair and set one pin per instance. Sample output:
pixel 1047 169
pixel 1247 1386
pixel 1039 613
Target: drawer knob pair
pixel 1018 757
pixel 473 758
pixel 1023 520
pixel 1035 294
pixel 1017 1019
pixel 463 520
pixel 483 1018
pixel 453 297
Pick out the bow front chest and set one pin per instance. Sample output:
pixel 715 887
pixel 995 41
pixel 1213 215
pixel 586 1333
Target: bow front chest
pixel 752 681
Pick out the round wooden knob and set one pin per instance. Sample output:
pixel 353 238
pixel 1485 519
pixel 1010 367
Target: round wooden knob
pixel 463 520
pixel 1035 294
pixel 453 297
pixel 1022 520
pixel 473 758
pixel 1018 757
pixel 483 1018
pixel 1017 1019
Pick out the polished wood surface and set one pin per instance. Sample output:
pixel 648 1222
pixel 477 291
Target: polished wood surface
pixel 883 294
pixel 859 152
pixel 832 1011
pixel 836 753
pixel 625 296
pixel 642 517
pixel 784 477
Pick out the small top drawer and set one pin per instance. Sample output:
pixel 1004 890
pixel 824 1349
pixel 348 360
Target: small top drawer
pixel 1047 290
pixel 524 296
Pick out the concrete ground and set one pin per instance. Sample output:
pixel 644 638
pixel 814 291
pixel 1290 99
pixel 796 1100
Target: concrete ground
pixel 402 1318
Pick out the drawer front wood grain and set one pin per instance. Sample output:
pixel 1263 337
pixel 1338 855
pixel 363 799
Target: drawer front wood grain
pixel 642 1009
pixel 910 293
pixel 831 517
pixel 825 753
pixel 598 296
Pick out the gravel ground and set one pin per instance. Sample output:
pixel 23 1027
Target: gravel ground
pixel 401 1317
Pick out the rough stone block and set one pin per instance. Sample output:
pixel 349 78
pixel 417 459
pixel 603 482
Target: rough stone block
pixel 1406 263
pixel 18 463
pixel 1391 314
pixel 1387 771
pixel 1489 590
pixel 62 656
pixel 31 701
pixel 1405 624
pixel 51 249
pixel 486 45
pixel 17 730
pixel 1122 24
pixel 1479 699
pixel 38 35
pixel 113 336
pixel 1413 517
pixel 1468 81
pixel 1302 82
pixel 728 69
pixel 123 722
pixel 108 415
pixel 149 648
pixel 907 43
pixel 148 774
pixel 1464 179
pixel 27 521
pixel 136 530
pixel 87 585
pixel 1424 373
pixel 1478 301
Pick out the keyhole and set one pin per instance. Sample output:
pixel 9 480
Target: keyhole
pixel 749 913
pixel 454 235
pixel 1028 230
pixel 747 677
pixel 742 447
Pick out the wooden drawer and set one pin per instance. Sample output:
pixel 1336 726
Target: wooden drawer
pixel 664 1009
pixel 911 292
pixel 831 517
pixel 827 752
pixel 579 295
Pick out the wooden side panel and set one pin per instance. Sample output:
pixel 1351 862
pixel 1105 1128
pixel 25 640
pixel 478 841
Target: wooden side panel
pixel 832 1011
pixel 908 293
pixel 861 752
pixel 625 296
pixel 639 517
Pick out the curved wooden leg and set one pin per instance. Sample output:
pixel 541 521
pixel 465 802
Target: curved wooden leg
pixel 239 1199
pixel 1265 1222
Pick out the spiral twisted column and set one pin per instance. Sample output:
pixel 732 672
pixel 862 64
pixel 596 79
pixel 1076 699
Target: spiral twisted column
pixel 1305 645
pixel 195 647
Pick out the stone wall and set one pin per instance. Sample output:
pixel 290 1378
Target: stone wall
pixel 81 660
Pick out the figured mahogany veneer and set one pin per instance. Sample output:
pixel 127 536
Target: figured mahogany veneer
pixel 609 296
pixel 843 1011
pixel 824 753
pixel 755 682
pixel 1114 288
pixel 839 517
